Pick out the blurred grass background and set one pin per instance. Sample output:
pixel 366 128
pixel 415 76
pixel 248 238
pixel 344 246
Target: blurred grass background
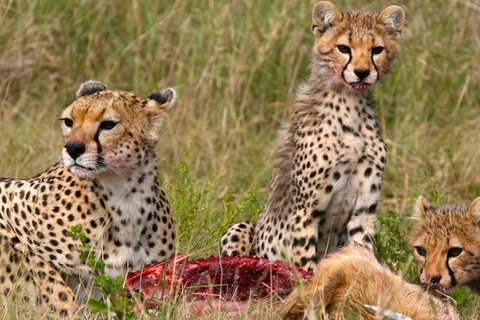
pixel 236 65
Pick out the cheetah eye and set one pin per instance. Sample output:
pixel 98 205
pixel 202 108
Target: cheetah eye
pixel 377 50
pixel 343 49
pixel 68 122
pixel 108 125
pixel 421 251
pixel 454 252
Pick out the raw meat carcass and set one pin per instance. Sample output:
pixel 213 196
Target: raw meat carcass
pixel 227 278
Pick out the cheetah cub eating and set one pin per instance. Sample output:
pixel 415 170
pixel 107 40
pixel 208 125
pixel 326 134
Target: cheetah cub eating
pixel 330 160
pixel 352 284
pixel 107 183
pixel 446 245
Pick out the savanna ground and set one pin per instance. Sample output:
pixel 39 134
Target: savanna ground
pixel 235 65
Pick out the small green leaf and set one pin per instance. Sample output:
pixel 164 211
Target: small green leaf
pixel 72 235
pixel 76 229
pixel 97 306
pixel 104 281
pixel 83 238
pixel 459 296
pixel 119 281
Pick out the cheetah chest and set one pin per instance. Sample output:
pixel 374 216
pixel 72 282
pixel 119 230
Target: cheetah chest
pixel 339 168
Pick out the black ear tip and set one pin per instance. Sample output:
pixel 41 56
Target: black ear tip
pixel 163 96
pixel 90 87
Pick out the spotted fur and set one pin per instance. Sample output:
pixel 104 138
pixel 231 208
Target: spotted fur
pixel 446 245
pixel 331 158
pixel 107 183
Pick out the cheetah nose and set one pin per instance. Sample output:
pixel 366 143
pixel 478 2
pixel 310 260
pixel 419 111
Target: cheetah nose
pixel 362 73
pixel 435 280
pixel 75 149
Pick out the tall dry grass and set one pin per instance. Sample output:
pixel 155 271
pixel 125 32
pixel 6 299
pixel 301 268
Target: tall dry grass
pixel 236 65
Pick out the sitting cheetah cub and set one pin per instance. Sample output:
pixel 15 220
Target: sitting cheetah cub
pixel 329 166
pixel 107 183
pixel 446 245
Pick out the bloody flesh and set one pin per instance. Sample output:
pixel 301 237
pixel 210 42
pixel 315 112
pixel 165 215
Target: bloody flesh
pixel 228 278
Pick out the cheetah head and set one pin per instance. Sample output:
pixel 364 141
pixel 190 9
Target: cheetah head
pixel 354 50
pixel 446 244
pixel 111 132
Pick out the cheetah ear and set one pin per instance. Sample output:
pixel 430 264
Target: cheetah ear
pixel 474 211
pixel 90 87
pixel 158 104
pixel 162 97
pixel 422 206
pixel 391 20
pixel 324 16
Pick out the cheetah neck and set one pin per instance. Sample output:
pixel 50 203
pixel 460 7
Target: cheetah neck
pixel 127 185
pixel 319 95
pixel 132 194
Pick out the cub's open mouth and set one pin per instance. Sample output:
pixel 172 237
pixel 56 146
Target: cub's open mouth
pixel 360 86
pixel 439 289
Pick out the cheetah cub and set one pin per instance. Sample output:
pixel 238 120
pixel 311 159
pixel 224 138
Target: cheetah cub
pixel 446 245
pixel 330 160
pixel 107 183
pixel 352 284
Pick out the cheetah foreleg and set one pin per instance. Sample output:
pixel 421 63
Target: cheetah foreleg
pixel 366 184
pixel 57 295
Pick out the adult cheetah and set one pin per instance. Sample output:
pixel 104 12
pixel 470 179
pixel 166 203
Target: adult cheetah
pixel 329 166
pixel 107 183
